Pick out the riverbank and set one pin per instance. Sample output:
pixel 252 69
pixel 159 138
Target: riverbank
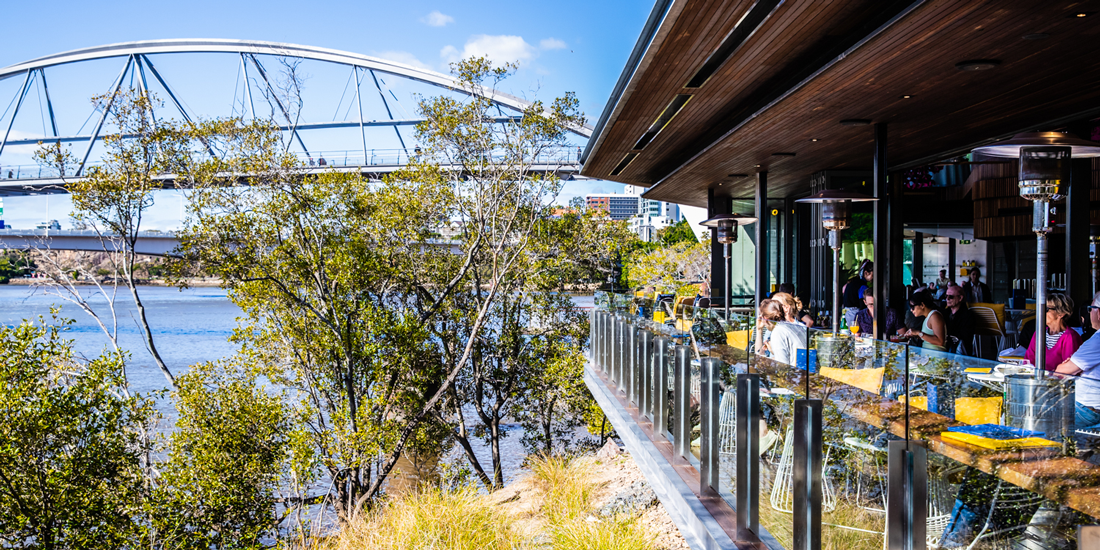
pixel 198 282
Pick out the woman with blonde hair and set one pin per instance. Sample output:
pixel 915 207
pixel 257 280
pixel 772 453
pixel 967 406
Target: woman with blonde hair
pixel 1061 340
pixel 791 305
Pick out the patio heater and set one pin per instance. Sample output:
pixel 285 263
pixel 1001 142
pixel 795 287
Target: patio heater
pixel 1044 178
pixel 836 216
pixel 725 226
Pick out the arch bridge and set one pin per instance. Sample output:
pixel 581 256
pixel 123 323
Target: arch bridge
pixel 373 136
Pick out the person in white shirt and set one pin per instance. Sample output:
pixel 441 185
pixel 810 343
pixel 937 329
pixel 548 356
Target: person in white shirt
pixel 786 337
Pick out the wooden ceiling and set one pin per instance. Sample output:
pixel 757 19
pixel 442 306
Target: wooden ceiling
pixel 799 67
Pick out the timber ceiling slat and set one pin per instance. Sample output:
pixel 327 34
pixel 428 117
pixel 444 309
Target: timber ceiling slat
pixel 1038 81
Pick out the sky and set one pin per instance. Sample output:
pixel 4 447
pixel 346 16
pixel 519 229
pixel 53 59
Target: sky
pixel 567 45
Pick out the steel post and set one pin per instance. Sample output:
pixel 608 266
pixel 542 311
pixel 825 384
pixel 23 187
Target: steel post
pixel 624 355
pixel 747 450
pixel 807 474
pixel 635 364
pixel 659 403
pixel 709 394
pixel 681 403
pixel 907 504
pixel 645 371
pixel 613 361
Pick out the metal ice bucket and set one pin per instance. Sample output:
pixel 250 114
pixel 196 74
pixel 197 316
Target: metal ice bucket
pixel 1043 405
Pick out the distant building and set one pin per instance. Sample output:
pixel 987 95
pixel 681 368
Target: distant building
pixel 619 206
pixel 52 224
pixel 654 208
pixel 647 226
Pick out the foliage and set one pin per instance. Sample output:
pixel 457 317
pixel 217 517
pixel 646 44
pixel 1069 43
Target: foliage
pixel 217 487
pixel 668 269
pixel 70 474
pixel 680 232
pixel 14 264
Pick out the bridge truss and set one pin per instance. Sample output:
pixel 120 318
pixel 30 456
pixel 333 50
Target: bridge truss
pixel 372 136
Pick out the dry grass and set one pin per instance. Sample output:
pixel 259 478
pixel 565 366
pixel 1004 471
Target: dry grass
pixel 430 520
pixel 561 518
pixel 567 504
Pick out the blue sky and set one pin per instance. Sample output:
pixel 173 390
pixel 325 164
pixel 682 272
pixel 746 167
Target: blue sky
pixel 569 45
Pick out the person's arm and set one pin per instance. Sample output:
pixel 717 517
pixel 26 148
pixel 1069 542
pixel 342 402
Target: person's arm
pixel 1068 367
pixel 1031 350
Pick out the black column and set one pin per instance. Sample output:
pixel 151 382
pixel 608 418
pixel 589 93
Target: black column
pixel 952 259
pixel 895 272
pixel 717 205
pixel 1078 264
pixel 788 240
pixel 918 257
pixel 761 237
pixel 804 254
pixel 880 231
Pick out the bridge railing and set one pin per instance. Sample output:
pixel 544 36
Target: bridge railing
pixel 314 159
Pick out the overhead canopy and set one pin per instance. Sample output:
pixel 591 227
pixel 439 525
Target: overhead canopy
pixel 721 89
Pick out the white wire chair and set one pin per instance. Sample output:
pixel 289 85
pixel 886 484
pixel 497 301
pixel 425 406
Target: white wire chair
pixel 782 496
pixel 1006 498
pixel 727 424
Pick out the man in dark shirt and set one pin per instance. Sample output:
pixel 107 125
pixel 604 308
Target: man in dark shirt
pixel 975 290
pixel 960 322
pixel 852 297
pixel 866 317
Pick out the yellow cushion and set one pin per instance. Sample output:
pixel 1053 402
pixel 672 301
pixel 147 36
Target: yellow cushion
pixel 918 401
pixel 658 315
pixel 998 443
pixel 683 325
pixel 998 310
pixel 864 379
pixel 978 410
pixel 738 339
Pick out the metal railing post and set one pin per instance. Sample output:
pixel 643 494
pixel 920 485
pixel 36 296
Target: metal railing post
pixel 601 344
pixel 681 403
pixel 907 504
pixel 747 450
pixel 616 344
pixel 592 315
pixel 659 403
pixel 624 355
pixel 633 347
pixel 709 394
pixel 807 474
pixel 645 374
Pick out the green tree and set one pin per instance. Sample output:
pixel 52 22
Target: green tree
pixel 70 474
pixel 226 460
pixel 677 233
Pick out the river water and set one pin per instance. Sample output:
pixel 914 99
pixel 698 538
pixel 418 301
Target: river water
pixel 189 326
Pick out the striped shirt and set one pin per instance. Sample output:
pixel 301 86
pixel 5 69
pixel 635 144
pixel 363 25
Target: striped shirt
pixel 1053 339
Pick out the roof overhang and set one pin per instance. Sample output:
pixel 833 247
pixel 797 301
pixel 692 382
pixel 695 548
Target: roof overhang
pixel 720 90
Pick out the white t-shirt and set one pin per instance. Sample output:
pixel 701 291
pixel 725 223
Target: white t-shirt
pixel 1087 357
pixel 786 339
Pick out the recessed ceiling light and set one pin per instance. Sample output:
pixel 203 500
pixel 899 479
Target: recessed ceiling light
pixel 855 122
pixel 977 65
pixel 813 139
pixel 907 96
pixel 1082 14
pixel 1036 36
pixel 783 154
pixel 759 165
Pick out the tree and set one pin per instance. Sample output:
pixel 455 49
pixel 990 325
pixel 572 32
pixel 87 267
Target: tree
pixel 70 474
pixel 226 461
pixel 668 269
pixel 680 232
pixel 112 196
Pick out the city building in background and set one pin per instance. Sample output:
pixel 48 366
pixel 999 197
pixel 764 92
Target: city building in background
pixel 646 216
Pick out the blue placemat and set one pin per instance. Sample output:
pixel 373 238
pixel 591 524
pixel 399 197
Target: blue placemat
pixel 996 431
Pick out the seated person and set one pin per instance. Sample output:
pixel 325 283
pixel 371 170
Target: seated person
pixel 786 337
pixel 911 322
pixel 960 322
pixel 1085 363
pixel 802 314
pixel 1061 341
pixel 866 317
pixel 933 332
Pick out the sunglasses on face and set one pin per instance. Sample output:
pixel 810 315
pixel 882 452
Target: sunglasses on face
pixel 1091 308
pixel 912 306
pixel 953 296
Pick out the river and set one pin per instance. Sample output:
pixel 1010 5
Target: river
pixel 189 326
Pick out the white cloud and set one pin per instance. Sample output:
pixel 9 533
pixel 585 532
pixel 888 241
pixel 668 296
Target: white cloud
pixel 404 57
pixel 499 49
pixel 437 19
pixel 552 44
